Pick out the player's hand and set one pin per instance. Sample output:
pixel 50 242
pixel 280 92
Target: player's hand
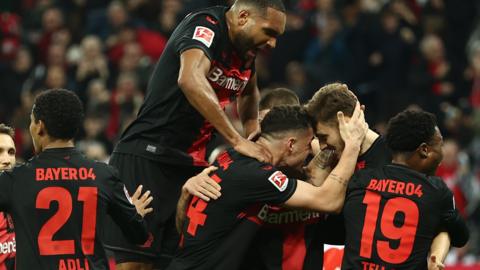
pixel 202 186
pixel 434 263
pixel 142 201
pixel 253 150
pixel 353 131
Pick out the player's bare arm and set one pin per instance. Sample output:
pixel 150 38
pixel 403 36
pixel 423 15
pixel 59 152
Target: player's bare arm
pixel 248 107
pixel 181 209
pixel 320 167
pixel 331 195
pixel 438 251
pixel 194 67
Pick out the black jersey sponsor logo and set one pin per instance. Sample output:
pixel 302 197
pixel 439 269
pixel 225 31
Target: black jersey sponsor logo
pixel 288 216
pixel 8 247
pixel 46 174
pixel 221 78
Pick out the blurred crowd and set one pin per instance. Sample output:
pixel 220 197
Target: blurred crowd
pixel 392 53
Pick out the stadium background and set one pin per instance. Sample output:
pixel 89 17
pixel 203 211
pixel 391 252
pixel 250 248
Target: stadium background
pixel 393 54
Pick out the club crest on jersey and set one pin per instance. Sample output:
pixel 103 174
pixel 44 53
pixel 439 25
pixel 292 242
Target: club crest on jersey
pixel 279 180
pixel 204 35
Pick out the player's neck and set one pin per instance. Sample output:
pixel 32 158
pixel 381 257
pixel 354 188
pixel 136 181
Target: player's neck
pixel 370 138
pixel 270 146
pixel 51 144
pixel 409 160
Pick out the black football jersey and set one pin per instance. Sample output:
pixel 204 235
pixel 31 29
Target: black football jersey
pixel 376 156
pixel 245 183
pixel 293 239
pixel 57 201
pixel 168 128
pixel 391 216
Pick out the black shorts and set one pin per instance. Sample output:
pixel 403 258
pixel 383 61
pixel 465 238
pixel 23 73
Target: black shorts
pixel 164 182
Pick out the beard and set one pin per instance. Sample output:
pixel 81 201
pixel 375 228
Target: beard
pixel 243 43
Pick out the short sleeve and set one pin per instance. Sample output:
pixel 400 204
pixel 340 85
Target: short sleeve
pixel 269 186
pixel 6 185
pixel 451 219
pixel 201 32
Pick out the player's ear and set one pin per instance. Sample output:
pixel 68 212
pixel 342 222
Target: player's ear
pixel 423 150
pixel 291 141
pixel 42 130
pixel 243 17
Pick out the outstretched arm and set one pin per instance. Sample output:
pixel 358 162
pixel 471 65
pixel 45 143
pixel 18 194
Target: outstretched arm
pixel 192 79
pixel 248 107
pixel 330 196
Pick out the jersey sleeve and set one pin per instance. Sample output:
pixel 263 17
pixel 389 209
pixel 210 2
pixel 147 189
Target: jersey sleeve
pixel 6 185
pixel 268 186
pixel 125 214
pixel 201 32
pixel 452 221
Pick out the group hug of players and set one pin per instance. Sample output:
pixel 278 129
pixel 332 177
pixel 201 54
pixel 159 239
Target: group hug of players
pixel 307 174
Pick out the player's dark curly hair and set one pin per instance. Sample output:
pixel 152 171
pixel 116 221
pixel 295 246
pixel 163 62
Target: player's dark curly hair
pixel 410 128
pixel 285 118
pixel 262 5
pixel 61 111
pixel 329 100
pixel 4 129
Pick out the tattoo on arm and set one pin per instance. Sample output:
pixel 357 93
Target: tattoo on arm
pixel 323 159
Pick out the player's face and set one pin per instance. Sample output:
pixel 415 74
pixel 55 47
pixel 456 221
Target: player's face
pixel 7 152
pixel 435 152
pixel 259 31
pixel 328 136
pixel 299 151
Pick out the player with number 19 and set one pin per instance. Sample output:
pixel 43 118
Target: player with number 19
pixel 392 213
pixel 58 198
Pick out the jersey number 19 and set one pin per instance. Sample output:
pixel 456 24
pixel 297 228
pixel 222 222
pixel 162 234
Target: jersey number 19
pixel 404 233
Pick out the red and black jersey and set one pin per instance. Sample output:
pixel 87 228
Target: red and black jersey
pixel 392 215
pixel 245 183
pixel 58 201
pixel 293 239
pixel 7 242
pixel 168 128
pixel 376 156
